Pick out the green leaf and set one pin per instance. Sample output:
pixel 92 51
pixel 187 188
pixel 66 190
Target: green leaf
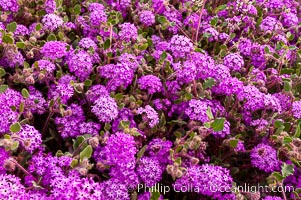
pixel 163 56
pixel 188 96
pixel 178 134
pixel 141 152
pixel 77 9
pixel 221 7
pixel 214 21
pixel 88 82
pixel 209 113
pixel 8 39
pixel 124 124
pixel 143 47
pixel 6 136
pixel 287 140
pixel 178 160
pixel 174 122
pixel 209 82
pixel 86 153
pixel 155 195
pixel 21 107
pixel 287 86
pixel 51 37
pixel 14 146
pixel 2 72
pixel 278 176
pixel 298 131
pixel 162 20
pixel 20 45
pixel 106 44
pixel 266 50
pixel 11 27
pixel 287 71
pixel 233 143
pixel 218 124
pixel 287 169
pixel 38 27
pixel 278 123
pixel 118 96
pixel 74 163
pixel 107 127
pixel 279 130
pixel 15 128
pixel 25 93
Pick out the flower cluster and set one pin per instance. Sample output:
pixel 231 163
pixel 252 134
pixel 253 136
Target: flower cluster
pixel 101 98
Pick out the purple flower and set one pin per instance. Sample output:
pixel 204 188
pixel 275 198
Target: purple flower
pixel 105 108
pixel 296 109
pixel 9 5
pixel 96 91
pixel 87 43
pixel 290 19
pixel 54 49
pixel 270 24
pixel 91 128
pixel 264 158
pixel 68 126
pixel 234 61
pixel 31 139
pixel 11 187
pixel 186 72
pixel 46 65
pixel 159 149
pixel 149 171
pixel 128 32
pixel 80 63
pixel 150 115
pixel 97 17
pixel 272 198
pixel 52 22
pixel 150 83
pixel 180 46
pixel 50 6
pixel 147 18
pixel 206 179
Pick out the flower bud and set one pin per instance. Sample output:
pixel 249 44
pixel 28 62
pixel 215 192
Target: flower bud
pixel 94 142
pixel 83 171
pixel 29 80
pixel 100 166
pixel 194 161
pixel 9 165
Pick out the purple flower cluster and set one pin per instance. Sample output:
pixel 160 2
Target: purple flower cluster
pixel 264 157
pixel 99 98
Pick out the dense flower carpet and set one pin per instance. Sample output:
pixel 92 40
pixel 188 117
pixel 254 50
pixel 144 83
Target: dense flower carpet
pixel 150 99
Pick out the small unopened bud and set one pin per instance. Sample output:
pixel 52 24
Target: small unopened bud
pixel 178 174
pixel 32 39
pixel 9 165
pixel 41 76
pixel 67 113
pixel 27 143
pixel 140 70
pixel 263 89
pixel 29 80
pixel 83 171
pixel 94 142
pixel 100 166
pixel 194 161
pixel 29 55
pixel 28 115
pixel 261 83
pixel 170 169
